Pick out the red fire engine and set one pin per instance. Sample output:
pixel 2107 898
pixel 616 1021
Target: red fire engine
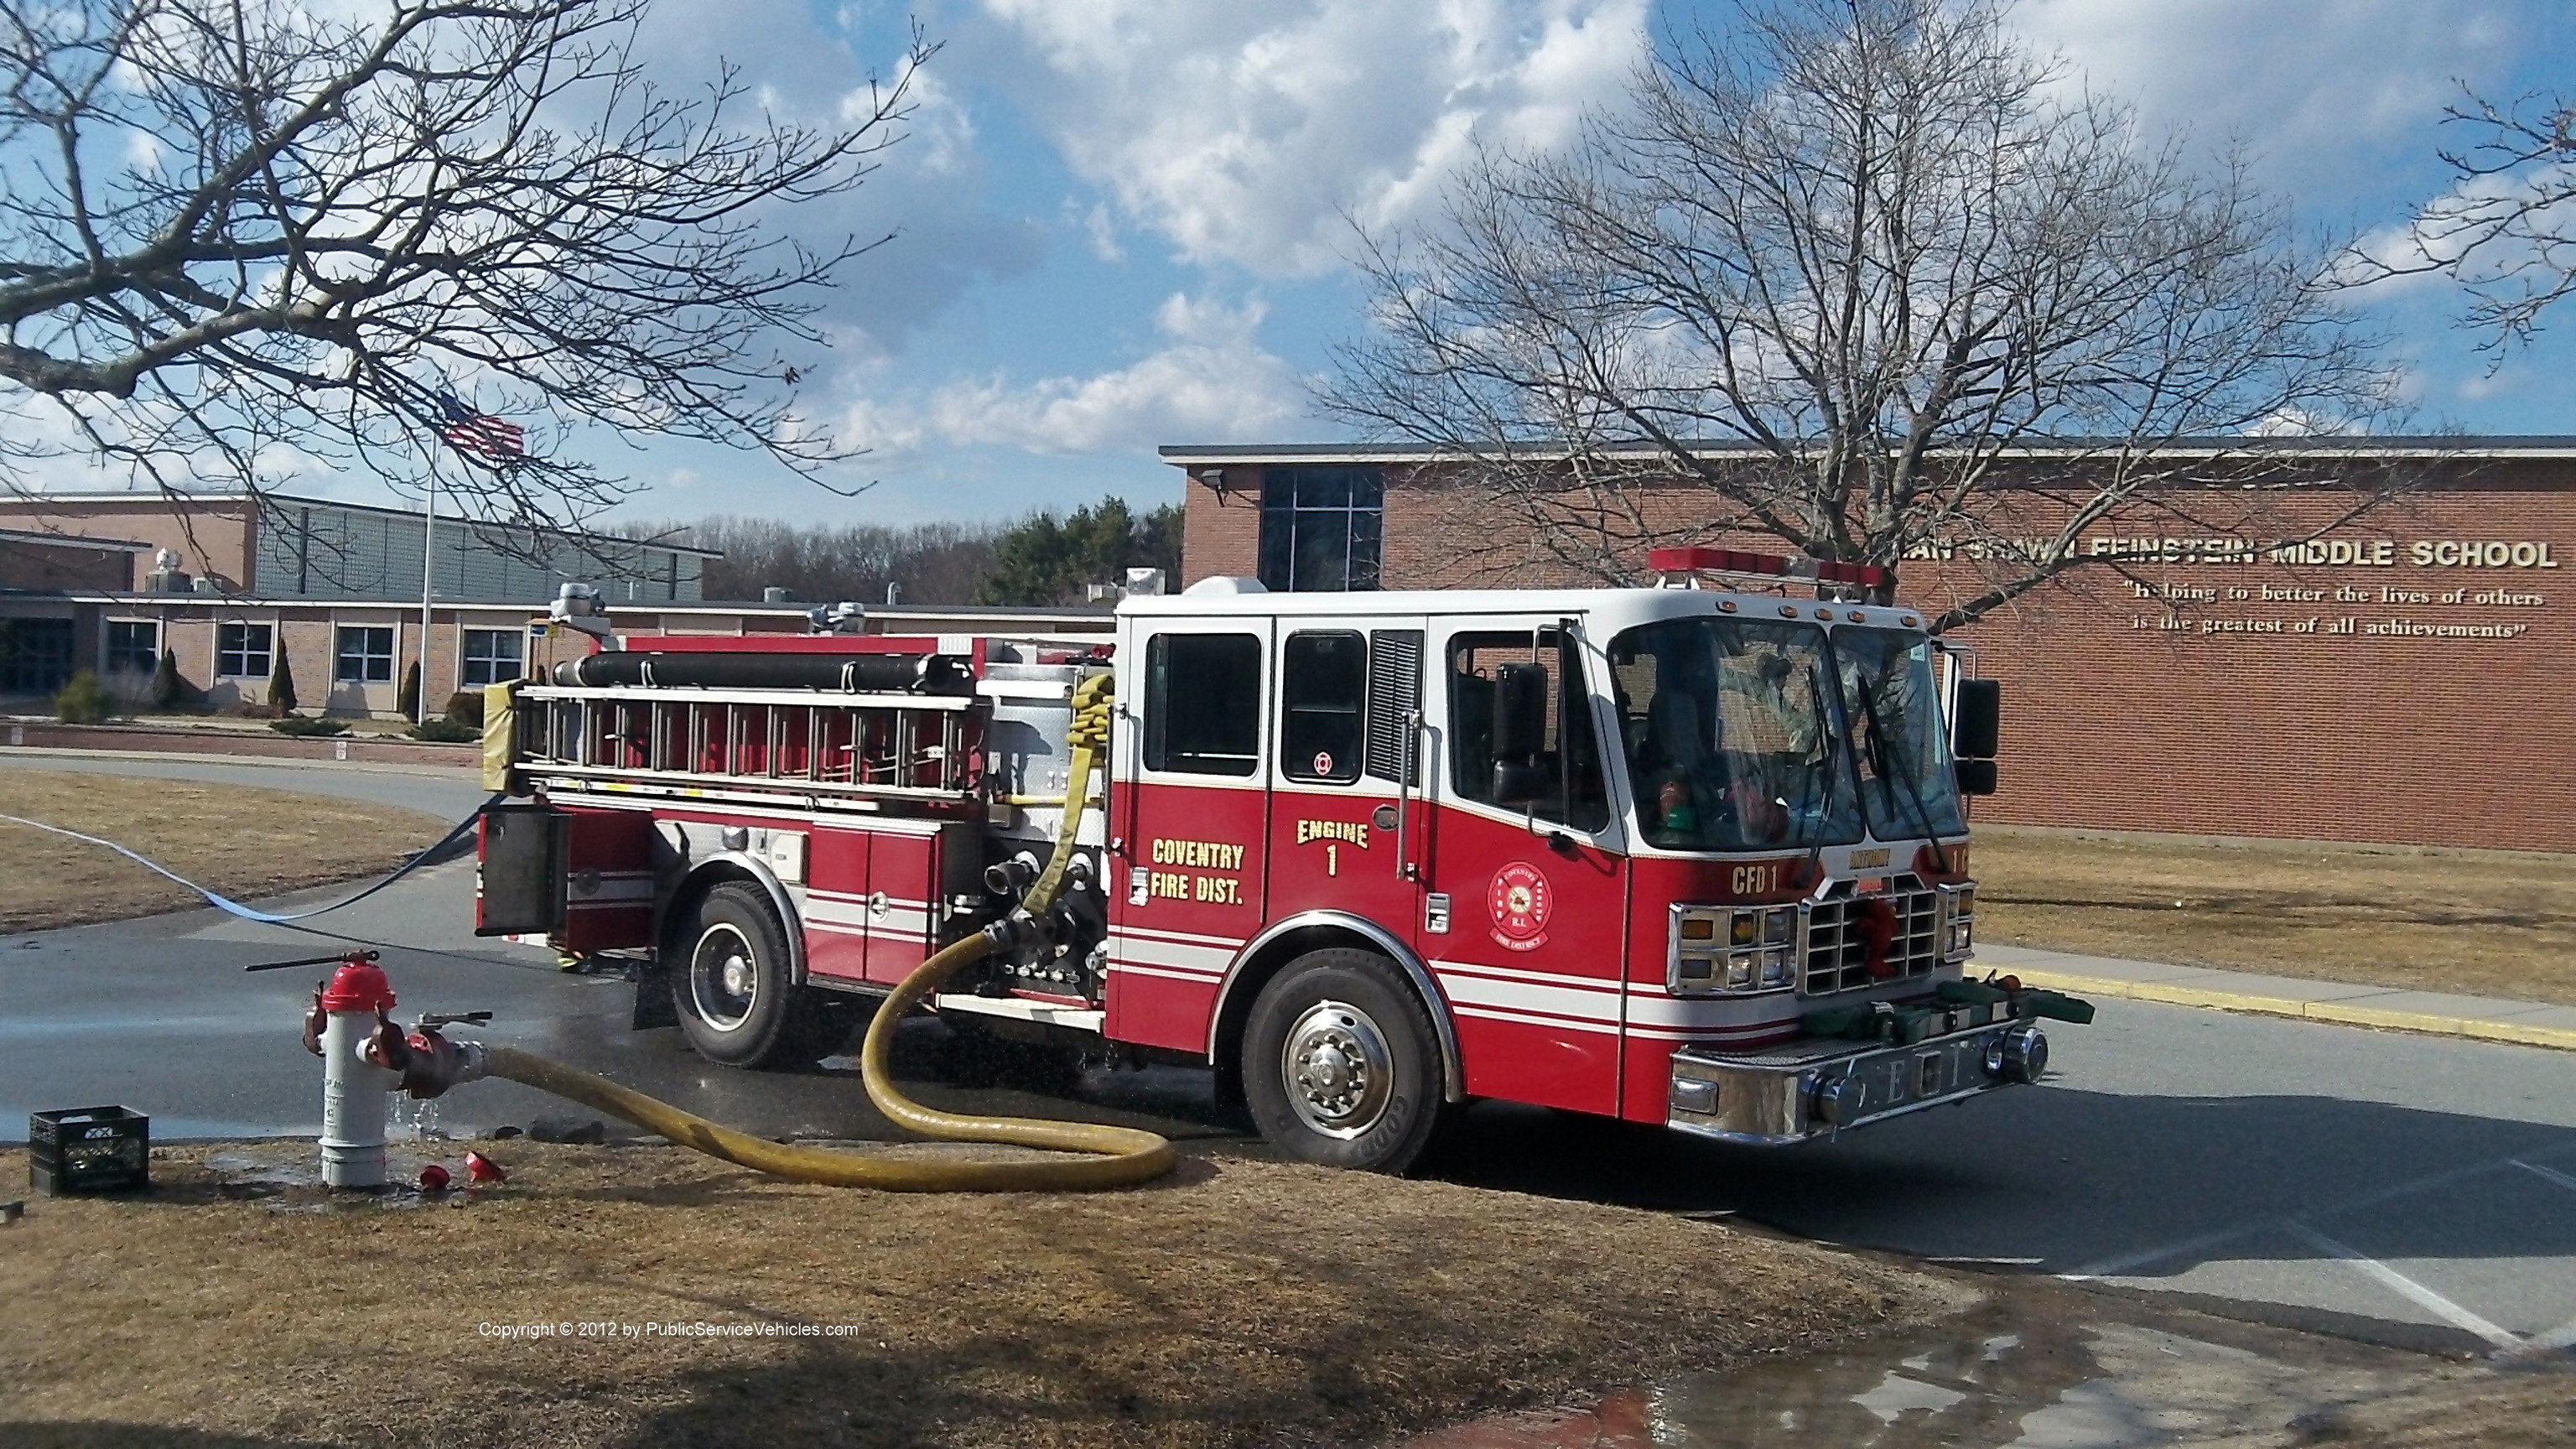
pixel 1691 854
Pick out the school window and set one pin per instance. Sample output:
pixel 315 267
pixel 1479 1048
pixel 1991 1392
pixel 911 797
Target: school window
pixel 133 646
pixel 1321 528
pixel 491 656
pixel 242 651
pixel 364 654
pixel 1323 686
pixel 35 655
pixel 1569 753
pixel 1203 704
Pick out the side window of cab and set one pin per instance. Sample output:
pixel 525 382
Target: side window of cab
pixel 1203 704
pixel 1323 685
pixel 1569 753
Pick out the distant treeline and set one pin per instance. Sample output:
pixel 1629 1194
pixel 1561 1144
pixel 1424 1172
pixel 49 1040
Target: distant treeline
pixel 1039 560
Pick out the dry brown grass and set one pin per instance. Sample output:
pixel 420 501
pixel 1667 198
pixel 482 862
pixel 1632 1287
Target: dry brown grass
pixel 242 842
pixel 2528 1406
pixel 1239 1302
pixel 2486 923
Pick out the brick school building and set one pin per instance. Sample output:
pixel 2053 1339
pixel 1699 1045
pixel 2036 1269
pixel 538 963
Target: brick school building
pixel 2406 677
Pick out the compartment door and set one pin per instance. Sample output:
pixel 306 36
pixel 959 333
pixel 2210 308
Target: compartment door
pixel 609 879
pixel 520 872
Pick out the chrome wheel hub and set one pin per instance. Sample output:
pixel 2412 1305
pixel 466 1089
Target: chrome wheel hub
pixel 724 981
pixel 1337 1069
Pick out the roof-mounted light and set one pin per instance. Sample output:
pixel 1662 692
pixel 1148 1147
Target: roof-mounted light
pixel 1684 565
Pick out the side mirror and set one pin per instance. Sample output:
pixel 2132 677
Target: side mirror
pixel 1520 711
pixel 1977 729
pixel 1518 782
pixel 1976 777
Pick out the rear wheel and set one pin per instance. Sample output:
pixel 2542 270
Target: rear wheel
pixel 1339 1063
pixel 731 987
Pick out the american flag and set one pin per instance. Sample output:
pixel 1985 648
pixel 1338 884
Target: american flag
pixel 468 431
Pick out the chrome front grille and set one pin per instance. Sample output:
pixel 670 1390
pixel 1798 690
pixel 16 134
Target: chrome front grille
pixel 1838 940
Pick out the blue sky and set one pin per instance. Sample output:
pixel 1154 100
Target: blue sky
pixel 1120 221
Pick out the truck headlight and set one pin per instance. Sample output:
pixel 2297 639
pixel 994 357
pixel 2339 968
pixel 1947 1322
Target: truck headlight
pixel 1958 921
pixel 1719 949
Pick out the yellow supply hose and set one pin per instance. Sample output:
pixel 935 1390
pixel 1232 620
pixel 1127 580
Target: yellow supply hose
pixel 1113 1156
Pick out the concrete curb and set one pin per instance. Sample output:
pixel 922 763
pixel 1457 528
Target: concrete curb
pixel 32 735
pixel 2502 1029
pixel 200 757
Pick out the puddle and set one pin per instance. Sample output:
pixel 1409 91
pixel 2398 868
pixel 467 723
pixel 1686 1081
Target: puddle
pixel 2019 1372
pixel 286 1176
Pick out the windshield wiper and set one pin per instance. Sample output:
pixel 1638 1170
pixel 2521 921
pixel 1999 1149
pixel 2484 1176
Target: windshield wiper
pixel 1913 796
pixel 1829 759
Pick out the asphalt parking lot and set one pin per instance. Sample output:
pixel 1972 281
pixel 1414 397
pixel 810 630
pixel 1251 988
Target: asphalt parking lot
pixel 2403 1189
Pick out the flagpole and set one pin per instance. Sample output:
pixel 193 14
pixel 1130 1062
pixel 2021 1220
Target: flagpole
pixel 428 572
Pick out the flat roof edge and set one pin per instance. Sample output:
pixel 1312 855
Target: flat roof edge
pixel 2533 446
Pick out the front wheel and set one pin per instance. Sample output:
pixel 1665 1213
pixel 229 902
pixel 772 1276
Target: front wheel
pixel 1339 1064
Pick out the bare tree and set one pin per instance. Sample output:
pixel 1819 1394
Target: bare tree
pixel 1866 276
pixel 2507 228
pixel 929 563
pixel 439 239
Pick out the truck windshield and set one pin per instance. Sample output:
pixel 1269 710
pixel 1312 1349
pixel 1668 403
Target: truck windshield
pixel 1895 718
pixel 1728 732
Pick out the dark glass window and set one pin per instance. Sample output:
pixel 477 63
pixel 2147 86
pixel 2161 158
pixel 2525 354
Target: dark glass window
pixel 1323 683
pixel 241 651
pixel 35 655
pixel 1570 750
pixel 365 655
pixel 1203 704
pixel 1321 528
pixel 492 656
pixel 133 646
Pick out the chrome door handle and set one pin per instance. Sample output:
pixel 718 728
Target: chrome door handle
pixel 1405 768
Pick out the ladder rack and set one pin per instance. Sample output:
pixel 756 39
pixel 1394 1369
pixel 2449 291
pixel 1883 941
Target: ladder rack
pixel 865 751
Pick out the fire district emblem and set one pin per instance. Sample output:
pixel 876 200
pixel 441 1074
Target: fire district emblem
pixel 1519 903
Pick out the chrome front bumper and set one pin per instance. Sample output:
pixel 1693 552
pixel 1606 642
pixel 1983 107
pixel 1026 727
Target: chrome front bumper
pixel 1807 1088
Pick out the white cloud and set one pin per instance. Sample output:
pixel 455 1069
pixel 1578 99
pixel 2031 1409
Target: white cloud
pixel 2318 88
pixel 1211 378
pixel 1245 132
pixel 927 192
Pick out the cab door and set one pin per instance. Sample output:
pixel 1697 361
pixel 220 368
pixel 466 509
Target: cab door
pixel 1527 898
pixel 1190 819
pixel 1346 815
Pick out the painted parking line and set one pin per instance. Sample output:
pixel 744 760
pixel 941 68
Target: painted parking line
pixel 2390 1278
pixel 2549 1173
pixel 2114 1267
pixel 2259 1277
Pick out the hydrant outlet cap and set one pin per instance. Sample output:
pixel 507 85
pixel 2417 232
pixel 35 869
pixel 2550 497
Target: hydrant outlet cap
pixel 358 986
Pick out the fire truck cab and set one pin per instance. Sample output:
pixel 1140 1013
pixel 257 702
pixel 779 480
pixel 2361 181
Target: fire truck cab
pixel 1692 854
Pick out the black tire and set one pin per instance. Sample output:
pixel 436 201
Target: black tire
pixel 1340 1066
pixel 729 979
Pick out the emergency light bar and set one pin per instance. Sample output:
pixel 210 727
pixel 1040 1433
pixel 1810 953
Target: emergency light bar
pixel 1694 560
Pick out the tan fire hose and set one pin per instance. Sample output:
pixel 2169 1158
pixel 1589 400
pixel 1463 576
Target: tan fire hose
pixel 1111 1156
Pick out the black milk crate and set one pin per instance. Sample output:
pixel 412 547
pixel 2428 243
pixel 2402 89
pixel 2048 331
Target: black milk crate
pixel 89 1149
